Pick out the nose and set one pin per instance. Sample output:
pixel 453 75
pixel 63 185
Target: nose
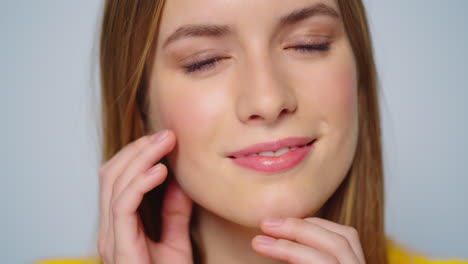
pixel 265 96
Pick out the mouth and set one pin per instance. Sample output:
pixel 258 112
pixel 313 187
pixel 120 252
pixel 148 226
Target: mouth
pixel 272 149
pixel 274 157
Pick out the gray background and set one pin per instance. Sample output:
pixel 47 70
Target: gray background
pixel 49 188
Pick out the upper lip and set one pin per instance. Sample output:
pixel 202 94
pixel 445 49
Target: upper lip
pixel 271 146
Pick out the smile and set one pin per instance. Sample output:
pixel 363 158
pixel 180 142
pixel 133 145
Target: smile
pixel 272 157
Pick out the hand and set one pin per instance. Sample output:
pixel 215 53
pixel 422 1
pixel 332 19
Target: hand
pixel 310 240
pixel 124 180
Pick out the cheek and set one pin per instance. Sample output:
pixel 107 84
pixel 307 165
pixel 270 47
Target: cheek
pixel 196 115
pixel 331 93
pixel 187 113
pixel 340 99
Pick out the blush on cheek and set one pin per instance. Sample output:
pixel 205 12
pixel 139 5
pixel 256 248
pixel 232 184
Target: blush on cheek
pixel 341 95
pixel 348 83
pixel 190 115
pixel 178 115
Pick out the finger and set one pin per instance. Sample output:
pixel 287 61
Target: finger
pixel 158 147
pixel 312 235
pixel 115 166
pixel 347 231
pixel 290 251
pixel 124 210
pixel 176 213
pixel 107 175
pixel 118 162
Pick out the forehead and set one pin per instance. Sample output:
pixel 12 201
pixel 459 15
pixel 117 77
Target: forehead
pixel 238 14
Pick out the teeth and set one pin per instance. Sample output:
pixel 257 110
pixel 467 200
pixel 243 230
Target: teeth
pixel 267 153
pixel 281 151
pixel 273 153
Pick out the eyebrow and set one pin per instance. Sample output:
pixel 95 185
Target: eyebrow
pixel 293 17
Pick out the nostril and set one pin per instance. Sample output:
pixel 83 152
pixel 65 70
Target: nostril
pixel 287 111
pixel 284 111
pixel 255 117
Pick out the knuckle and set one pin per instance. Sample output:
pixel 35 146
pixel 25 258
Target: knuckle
pixel 293 226
pixel 341 244
pixel 103 252
pixel 103 170
pixel 119 253
pixel 315 219
pixel 101 246
pixel 285 245
pixel 331 260
pixel 352 232
pixel 302 237
pixel 292 223
pixel 286 248
pixel 116 186
pixel 116 208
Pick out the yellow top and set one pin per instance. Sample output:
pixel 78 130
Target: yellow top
pixel 397 255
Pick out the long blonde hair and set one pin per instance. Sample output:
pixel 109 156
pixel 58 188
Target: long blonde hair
pixel 129 29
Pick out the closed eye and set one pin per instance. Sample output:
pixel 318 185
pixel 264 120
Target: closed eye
pixel 311 48
pixel 206 65
pixel 203 65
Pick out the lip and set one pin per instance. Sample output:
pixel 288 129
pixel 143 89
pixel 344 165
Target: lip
pixel 271 146
pixel 273 163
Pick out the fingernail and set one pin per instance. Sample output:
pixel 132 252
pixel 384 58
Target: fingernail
pixel 155 169
pixel 265 240
pixel 160 136
pixel 273 222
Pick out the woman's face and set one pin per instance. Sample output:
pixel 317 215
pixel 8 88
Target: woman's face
pixel 259 71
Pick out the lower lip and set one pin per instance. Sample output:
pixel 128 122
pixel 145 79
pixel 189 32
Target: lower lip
pixel 274 164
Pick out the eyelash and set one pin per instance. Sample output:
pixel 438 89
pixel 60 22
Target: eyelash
pixel 202 65
pixel 210 63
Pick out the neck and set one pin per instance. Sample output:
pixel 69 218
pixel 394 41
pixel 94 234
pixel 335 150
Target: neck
pixel 222 241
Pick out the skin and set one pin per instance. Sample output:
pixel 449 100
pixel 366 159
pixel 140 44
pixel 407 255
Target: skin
pixel 261 90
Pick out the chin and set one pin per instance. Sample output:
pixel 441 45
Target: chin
pixel 276 204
